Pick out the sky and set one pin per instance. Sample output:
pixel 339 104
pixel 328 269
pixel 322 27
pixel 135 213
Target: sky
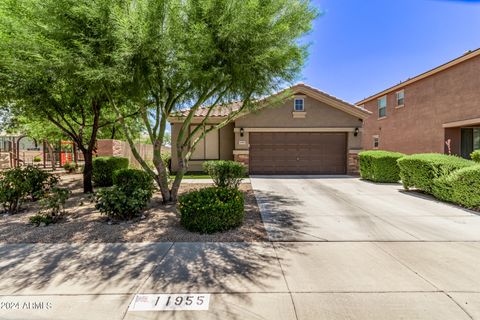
pixel 360 47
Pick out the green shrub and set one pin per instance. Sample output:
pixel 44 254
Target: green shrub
pixel 39 219
pixel 70 167
pixel 52 205
pixel 37 159
pixel 225 173
pixel 19 183
pixel 420 170
pixel 13 189
pixel 104 167
pixel 211 209
pixel 461 186
pixel 380 166
pixel 38 181
pixel 132 190
pixel 117 204
pixel 132 179
pixel 475 155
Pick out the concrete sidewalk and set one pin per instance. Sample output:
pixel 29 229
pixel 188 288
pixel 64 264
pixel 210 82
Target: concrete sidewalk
pixel 287 280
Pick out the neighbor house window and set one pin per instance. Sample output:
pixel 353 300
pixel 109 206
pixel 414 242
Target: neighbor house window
pixel 400 98
pixel 382 107
pixel 299 104
pixel 376 142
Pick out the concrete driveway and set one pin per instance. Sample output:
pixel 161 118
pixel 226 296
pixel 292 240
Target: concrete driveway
pixel 348 209
pixel 341 249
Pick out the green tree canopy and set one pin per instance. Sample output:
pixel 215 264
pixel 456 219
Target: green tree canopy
pixel 55 63
pixel 176 55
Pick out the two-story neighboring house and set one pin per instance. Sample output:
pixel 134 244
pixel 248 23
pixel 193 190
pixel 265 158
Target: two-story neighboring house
pixel 437 111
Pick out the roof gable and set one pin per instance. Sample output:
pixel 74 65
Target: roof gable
pixel 223 111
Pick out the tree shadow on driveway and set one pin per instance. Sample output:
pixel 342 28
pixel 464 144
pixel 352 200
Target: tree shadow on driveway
pixel 281 221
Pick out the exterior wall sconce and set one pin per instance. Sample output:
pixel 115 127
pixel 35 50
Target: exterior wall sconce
pixel 241 132
pixel 355 133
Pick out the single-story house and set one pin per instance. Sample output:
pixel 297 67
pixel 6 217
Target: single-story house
pixel 436 111
pixel 310 132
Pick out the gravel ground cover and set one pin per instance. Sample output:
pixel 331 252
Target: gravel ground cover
pixel 83 224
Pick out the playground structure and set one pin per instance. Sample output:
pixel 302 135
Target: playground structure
pixel 20 150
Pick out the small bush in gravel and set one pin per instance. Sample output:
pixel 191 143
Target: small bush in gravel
pixel 420 170
pixel 211 209
pixel 475 155
pixel 52 205
pixel 19 183
pixel 380 166
pixel 131 179
pixel 13 189
pixel 461 186
pixel 39 182
pixel 70 167
pixel 117 204
pixel 39 218
pixel 104 168
pixel 225 173
pixel 128 197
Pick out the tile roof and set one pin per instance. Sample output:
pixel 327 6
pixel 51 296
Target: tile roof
pixel 225 110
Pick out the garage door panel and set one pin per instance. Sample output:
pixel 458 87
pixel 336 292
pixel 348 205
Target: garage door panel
pixel 297 152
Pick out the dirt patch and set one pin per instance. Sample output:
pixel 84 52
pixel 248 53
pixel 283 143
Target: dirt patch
pixel 84 224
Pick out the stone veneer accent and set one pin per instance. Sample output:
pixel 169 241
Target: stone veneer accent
pixel 242 158
pixel 353 167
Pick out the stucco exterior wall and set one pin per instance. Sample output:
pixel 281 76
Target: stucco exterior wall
pixel 318 117
pixel 225 151
pixel 318 114
pixel 448 96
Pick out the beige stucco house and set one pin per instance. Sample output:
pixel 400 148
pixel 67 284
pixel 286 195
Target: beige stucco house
pixel 310 132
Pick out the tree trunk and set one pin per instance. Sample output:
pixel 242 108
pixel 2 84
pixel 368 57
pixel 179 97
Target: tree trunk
pixel 162 174
pixel 87 171
pixel 182 168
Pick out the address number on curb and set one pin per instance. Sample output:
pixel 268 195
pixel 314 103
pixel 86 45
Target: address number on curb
pixel 165 302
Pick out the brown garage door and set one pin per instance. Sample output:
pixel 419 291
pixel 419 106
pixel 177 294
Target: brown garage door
pixel 298 153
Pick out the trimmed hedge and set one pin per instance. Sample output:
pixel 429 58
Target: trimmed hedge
pixel 420 170
pixel 104 167
pixel 225 173
pixel 475 155
pixel 380 166
pixel 461 186
pixel 211 209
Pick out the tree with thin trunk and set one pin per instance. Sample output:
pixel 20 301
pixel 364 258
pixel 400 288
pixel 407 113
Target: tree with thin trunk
pixel 55 61
pixel 192 54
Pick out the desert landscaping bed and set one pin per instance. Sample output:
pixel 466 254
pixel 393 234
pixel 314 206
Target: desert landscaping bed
pixel 83 224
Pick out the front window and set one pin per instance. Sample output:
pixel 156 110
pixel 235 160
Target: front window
pixel 382 107
pixel 400 98
pixel 299 105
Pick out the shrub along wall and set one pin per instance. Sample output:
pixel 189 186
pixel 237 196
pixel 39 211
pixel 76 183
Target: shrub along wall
pixel 380 166
pixel 420 170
